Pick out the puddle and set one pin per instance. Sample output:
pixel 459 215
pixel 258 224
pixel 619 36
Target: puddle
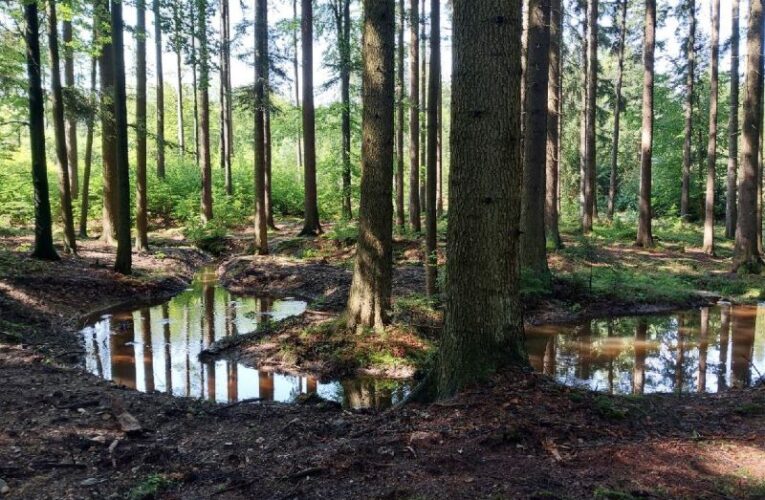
pixel 157 349
pixel 706 350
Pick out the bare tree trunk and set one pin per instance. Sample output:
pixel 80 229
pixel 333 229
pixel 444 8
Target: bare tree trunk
pixel 440 195
pixel 483 328
pixel 434 87
pixel 685 190
pixel 709 208
pixel 177 46
pixel 43 247
pixel 261 65
pixel 160 91
pixel 400 96
pixel 342 13
pixel 204 112
pixel 70 120
pixel 311 226
pixel 108 128
pixel 733 131
pixel 296 67
pixel 414 116
pixel 614 180
pixel 423 104
pixel 195 84
pixel 226 113
pixel 644 233
pixel 142 241
pixel 369 298
pixel 592 106
pixel 269 158
pixel 583 196
pixel 85 202
pixel 57 105
pixel 553 125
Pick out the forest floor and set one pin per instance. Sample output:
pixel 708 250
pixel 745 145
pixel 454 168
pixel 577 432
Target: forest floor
pixel 67 434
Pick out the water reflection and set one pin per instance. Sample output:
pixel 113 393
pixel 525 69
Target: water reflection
pixel 705 350
pixel 157 349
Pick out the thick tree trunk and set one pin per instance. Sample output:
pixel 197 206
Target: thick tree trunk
pixel 733 132
pixel 85 201
pixel 59 128
pixel 108 127
pixel 43 247
pixel 533 253
pixel 554 94
pixel 70 120
pixel 431 236
pixel 644 233
pixel 311 226
pixel 709 206
pixel 414 116
pixel 369 300
pixel 400 96
pixel 613 186
pixel 160 91
pixel 746 256
pixel 142 241
pixel 204 112
pixel 123 262
pixel 261 65
pixel 483 328
pixel 592 106
pixel 685 189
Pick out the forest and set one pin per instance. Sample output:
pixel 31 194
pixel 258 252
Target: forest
pixel 400 249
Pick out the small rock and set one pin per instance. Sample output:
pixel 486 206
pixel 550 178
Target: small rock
pixel 128 423
pixel 260 440
pixel 106 416
pixel 4 488
pixel 423 439
pixel 91 481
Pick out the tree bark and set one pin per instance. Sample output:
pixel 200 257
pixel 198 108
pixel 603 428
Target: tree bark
pixel 709 206
pixel 345 84
pixel 440 202
pixel 311 226
pixel 108 126
pixel 43 246
pixel 414 116
pixel 592 106
pixel 733 131
pixel 434 87
pixel 644 233
pixel 613 187
pixel 70 119
pixel 195 82
pixel 160 91
pixel 685 189
pixel 554 94
pixel 204 112
pixel 746 256
pixel 59 128
pixel 423 105
pixel 483 328
pixel 261 64
pixel 269 176
pixel 85 202
pixel 400 96
pixel 178 47
pixel 369 299
pixel 533 253
pixel 296 68
pixel 227 132
pixel 142 241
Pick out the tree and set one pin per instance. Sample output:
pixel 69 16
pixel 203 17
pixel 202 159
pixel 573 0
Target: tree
pixel 43 246
pixel 296 69
pixel 533 253
pixel 690 50
pixel 176 41
pixel 141 222
pixel 369 298
pixel 108 126
pixel 160 90
pixel 343 22
pixel 204 111
pixel 400 97
pixel 746 256
pixel 194 79
pixel 730 199
pixel 57 105
pixel 123 261
pixel 434 102
pixel 261 64
pixel 414 116
pixel 483 328
pixel 85 201
pixel 644 234
pixel 70 123
pixel 227 133
pixel 590 193
pixel 311 226
pixel 554 96
pixel 709 207
pixel 614 179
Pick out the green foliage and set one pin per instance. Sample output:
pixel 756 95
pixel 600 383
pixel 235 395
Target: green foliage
pixel 150 488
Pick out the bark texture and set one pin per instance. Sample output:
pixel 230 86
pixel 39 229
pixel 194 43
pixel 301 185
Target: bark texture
pixel 142 241
pixel 731 204
pixel 400 96
pixel 311 226
pixel 261 62
pixel 644 233
pixel 709 205
pixel 70 122
pixel 554 94
pixel 108 127
pixel 85 201
pixel 590 191
pixel 160 89
pixel 613 185
pixel 690 50
pixel 434 101
pixel 203 93
pixel 414 116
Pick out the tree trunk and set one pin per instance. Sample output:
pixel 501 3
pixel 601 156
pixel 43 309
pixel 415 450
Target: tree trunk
pixel 400 96
pixel 160 91
pixel 423 104
pixel 85 202
pixel 644 234
pixel 685 190
pixel 43 247
pixel 369 298
pixel 142 240
pixel 57 105
pixel 261 64
pixel 592 106
pixel 226 109
pixel 614 180
pixel 311 226
pixel 533 253
pixel 204 112
pixel 195 83
pixel 269 159
pixel 440 202
pixel 583 196
pixel 746 256
pixel 730 199
pixel 296 68
pixel 434 87
pixel 554 93
pixel 709 207
pixel 123 260
pixel 70 119
pixel 345 84
pixel 108 127
pixel 483 328
pixel 177 46
pixel 414 117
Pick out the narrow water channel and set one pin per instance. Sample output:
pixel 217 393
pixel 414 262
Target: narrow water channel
pixel 157 349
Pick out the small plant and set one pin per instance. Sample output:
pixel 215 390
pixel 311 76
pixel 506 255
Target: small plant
pixel 150 487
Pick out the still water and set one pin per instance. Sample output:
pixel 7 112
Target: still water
pixel 705 350
pixel 157 349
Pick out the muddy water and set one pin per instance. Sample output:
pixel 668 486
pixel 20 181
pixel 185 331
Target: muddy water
pixel 157 349
pixel 706 350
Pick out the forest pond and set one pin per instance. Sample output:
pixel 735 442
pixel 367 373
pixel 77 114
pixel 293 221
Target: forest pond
pixel 703 350
pixel 157 349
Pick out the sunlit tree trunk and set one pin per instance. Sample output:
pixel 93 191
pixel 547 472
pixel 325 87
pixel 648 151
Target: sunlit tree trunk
pixel 311 226
pixel 400 96
pixel 414 116
pixel 194 82
pixel 227 134
pixel 261 62
pixel 554 94
pixel 733 131
pixel 434 87
pixel 85 202
pixel 709 206
pixel 591 112
pixel 204 112
pixel 108 127
pixel 644 233
pixel 142 241
pixel 614 180
pixel 178 47
pixel 160 90
pixel 70 119
pixel 690 50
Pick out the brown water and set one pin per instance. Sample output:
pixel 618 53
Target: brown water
pixel 704 350
pixel 157 349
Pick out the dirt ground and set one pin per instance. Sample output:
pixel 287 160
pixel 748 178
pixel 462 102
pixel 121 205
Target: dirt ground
pixel 67 434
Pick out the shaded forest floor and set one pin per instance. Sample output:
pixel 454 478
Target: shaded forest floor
pixel 522 436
